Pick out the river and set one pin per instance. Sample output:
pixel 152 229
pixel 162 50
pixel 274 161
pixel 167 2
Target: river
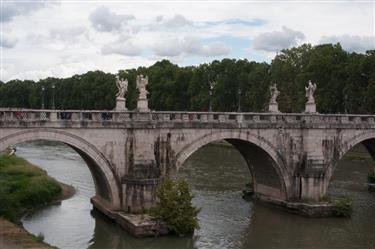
pixel 217 175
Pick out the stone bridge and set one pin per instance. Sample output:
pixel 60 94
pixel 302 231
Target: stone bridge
pixel 291 157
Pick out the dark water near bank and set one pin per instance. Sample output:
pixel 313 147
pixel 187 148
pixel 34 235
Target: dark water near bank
pixel 217 175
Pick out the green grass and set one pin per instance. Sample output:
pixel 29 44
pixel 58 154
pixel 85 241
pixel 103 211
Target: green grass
pixel 23 187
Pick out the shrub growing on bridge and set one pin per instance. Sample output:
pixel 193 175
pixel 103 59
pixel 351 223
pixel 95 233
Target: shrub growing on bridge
pixel 344 206
pixel 175 208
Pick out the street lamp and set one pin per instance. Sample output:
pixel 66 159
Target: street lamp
pixel 210 92
pixel 346 103
pixel 53 96
pixel 43 97
pixel 239 100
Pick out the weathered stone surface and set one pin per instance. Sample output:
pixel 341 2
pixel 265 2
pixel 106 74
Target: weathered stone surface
pixel 141 225
pixel 120 104
pixel 371 187
pixel 292 156
pixel 312 210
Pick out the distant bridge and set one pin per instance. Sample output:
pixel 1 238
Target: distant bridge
pixel 291 157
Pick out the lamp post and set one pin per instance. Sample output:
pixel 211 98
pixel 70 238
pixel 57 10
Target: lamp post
pixel 239 100
pixel 345 103
pixel 53 96
pixel 43 97
pixel 210 93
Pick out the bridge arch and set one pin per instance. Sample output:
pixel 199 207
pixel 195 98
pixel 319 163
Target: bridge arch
pixel 106 185
pixel 269 172
pixel 366 138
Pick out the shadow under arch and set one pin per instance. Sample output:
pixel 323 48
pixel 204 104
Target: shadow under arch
pixel 106 185
pixel 367 139
pixel 269 172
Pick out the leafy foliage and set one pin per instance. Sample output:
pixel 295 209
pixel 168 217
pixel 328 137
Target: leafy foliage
pixel 344 206
pixel 23 186
pixel 346 83
pixel 175 208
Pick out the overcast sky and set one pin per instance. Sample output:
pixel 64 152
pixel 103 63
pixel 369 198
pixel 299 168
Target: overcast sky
pixel 61 38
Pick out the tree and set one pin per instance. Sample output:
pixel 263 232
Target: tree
pixel 175 208
pixel 346 82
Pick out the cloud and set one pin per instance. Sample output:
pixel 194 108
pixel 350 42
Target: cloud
pixel 126 48
pixel 237 21
pixel 11 9
pixel 176 21
pixel 60 70
pixel 277 40
pixel 189 46
pixel 7 42
pixel 69 34
pixel 352 43
pixel 103 20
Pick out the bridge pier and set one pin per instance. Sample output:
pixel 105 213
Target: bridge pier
pixel 313 188
pixel 139 194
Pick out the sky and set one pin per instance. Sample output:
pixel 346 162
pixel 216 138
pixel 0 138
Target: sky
pixel 42 39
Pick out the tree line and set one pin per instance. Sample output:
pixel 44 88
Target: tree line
pixel 345 83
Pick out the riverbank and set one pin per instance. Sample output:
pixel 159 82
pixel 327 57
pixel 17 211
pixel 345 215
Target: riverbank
pixel 25 188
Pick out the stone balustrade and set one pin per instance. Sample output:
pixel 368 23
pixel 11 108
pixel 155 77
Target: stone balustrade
pixel 170 117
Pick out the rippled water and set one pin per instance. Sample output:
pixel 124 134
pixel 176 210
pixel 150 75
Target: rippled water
pixel 217 175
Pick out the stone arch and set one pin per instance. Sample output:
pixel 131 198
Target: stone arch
pixel 348 144
pixel 247 142
pixel 106 184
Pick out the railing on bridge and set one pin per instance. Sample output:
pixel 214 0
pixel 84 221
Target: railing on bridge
pixel 32 115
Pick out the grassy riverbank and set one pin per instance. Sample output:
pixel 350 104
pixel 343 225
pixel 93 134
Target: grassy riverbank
pixel 24 188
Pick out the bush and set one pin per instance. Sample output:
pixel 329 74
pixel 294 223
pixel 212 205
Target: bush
pixel 344 206
pixel 175 208
pixel 371 177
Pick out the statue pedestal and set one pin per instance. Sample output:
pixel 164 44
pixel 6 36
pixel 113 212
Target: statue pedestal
pixel 142 105
pixel 310 107
pixel 273 107
pixel 120 104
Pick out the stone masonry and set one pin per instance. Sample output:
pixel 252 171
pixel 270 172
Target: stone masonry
pixel 292 157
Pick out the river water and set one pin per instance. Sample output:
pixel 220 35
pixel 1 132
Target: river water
pixel 217 175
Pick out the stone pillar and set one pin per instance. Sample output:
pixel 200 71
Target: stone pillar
pixel 313 187
pixel 139 194
pixel 139 185
pixel 53 116
pixel 142 104
pixel 120 104
pixel 273 107
pixel 310 107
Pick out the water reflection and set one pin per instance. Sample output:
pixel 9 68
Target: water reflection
pixel 109 235
pixel 217 175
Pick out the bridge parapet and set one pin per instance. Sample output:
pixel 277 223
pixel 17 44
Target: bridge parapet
pixel 30 117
